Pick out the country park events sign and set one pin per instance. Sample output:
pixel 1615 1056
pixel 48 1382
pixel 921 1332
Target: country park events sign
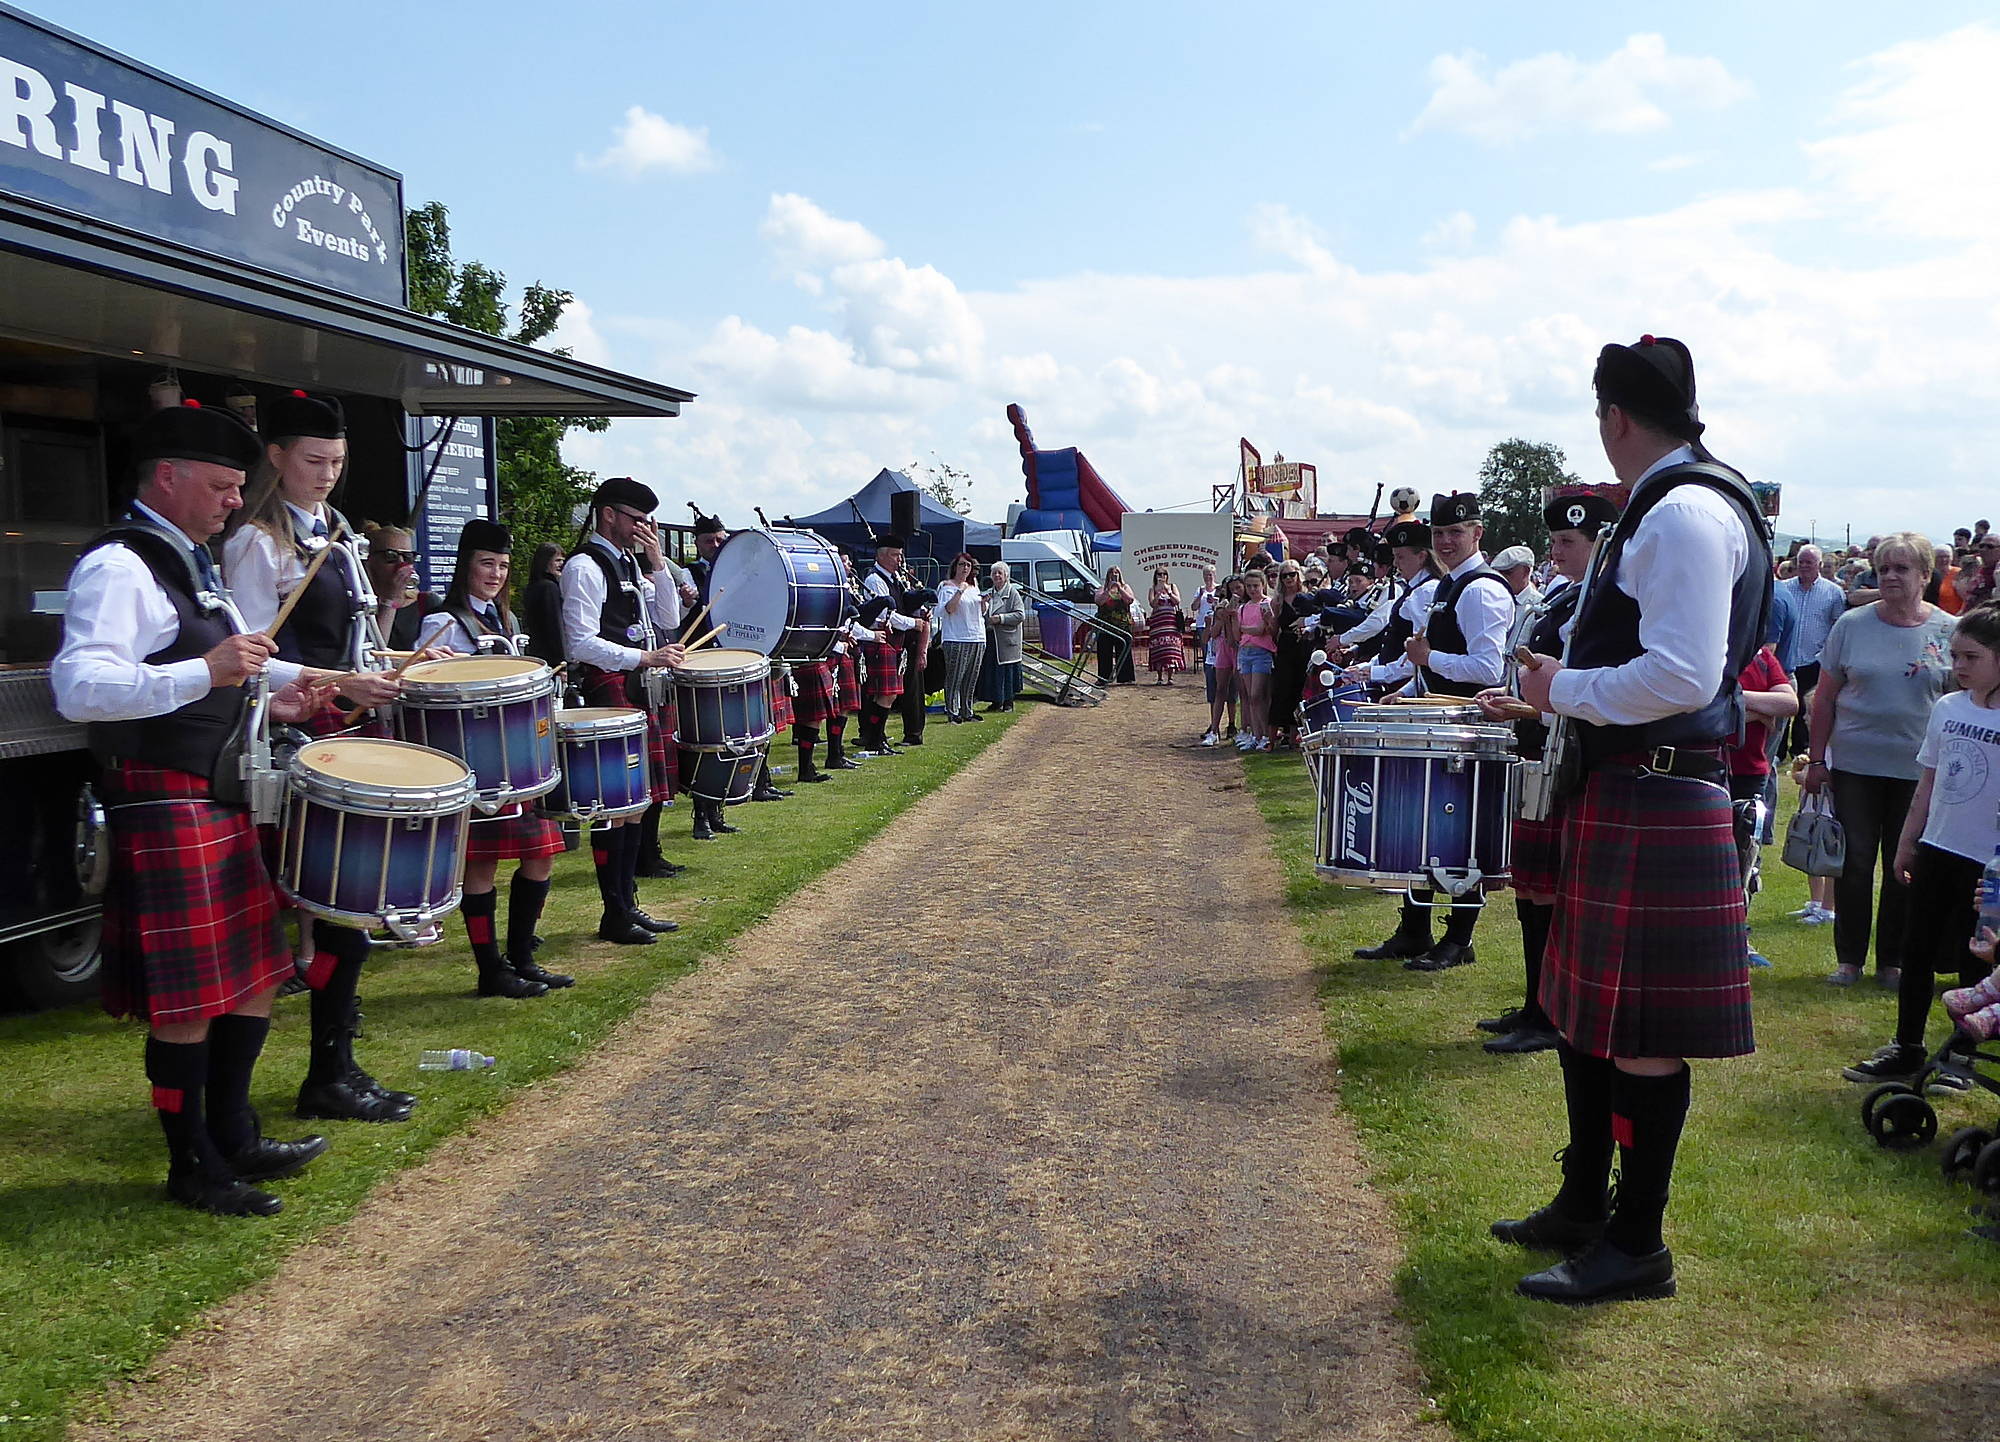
pixel 119 143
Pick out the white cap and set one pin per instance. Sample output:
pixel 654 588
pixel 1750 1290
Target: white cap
pixel 1513 556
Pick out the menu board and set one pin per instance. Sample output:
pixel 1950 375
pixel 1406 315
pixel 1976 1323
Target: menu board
pixel 466 484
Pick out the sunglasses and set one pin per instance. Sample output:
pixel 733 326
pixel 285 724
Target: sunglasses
pixel 631 515
pixel 401 558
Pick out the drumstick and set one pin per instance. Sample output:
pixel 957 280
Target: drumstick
pixel 1527 658
pixel 298 592
pixel 704 640
pixel 699 617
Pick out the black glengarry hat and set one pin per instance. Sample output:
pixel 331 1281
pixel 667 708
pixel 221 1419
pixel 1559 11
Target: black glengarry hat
pixel 481 534
pixel 296 414
pixel 624 491
pixel 1588 514
pixel 1413 534
pixel 1455 509
pixel 192 432
pixel 895 539
pixel 1654 381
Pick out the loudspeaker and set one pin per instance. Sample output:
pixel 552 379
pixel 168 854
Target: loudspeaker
pixel 906 512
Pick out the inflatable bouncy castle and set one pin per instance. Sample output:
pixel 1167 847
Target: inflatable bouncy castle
pixel 1065 493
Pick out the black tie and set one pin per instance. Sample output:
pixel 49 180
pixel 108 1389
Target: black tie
pixel 204 567
pixel 319 529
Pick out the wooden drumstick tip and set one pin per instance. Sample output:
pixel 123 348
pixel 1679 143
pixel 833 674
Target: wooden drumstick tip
pixel 1527 658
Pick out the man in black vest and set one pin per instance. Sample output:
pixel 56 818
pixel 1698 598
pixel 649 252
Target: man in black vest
pixel 152 663
pixel 1646 964
pixel 1460 650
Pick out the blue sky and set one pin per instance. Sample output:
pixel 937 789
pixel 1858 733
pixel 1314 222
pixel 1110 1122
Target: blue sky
pixel 1376 237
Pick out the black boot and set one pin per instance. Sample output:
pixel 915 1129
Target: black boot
pixel 197 1176
pixel 717 821
pixel 702 830
pixel 836 754
pixel 496 976
pixel 1576 1217
pixel 652 866
pixel 632 909
pixel 336 1088
pixel 1412 936
pixel 764 789
pixel 235 1042
pixel 808 772
pixel 1456 948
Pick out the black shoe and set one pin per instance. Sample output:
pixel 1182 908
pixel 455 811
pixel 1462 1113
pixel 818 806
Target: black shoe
pixel 531 970
pixel 1508 1020
pixel 1603 1274
pixel 1442 957
pixel 1522 1041
pixel 656 868
pixel 972 716
pixel 652 924
pixel 362 1082
pixel 702 830
pixel 226 1196
pixel 769 793
pixel 1400 945
pixel 721 826
pixel 1548 1230
pixel 341 1101
pixel 911 741
pixel 1893 1062
pixel 817 775
pixel 843 764
pixel 504 980
pixel 265 1160
pixel 623 930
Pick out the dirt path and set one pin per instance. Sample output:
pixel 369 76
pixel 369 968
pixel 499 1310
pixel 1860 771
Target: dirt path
pixel 1046 1150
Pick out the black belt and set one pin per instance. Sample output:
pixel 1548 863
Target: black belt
pixel 1679 762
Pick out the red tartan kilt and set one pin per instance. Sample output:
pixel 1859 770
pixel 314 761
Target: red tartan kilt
pixel 815 705
pixel 1647 956
pixel 331 720
pixel 607 688
pixel 513 835
pixel 1537 864
pixel 190 914
pixel 885 671
pixel 780 693
pixel 850 684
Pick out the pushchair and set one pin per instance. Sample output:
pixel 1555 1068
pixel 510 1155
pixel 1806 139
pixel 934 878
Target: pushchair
pixel 1899 1116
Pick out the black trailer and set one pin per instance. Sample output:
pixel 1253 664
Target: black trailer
pixel 157 241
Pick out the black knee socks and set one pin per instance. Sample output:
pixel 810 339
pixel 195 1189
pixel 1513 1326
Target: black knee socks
pixel 1458 927
pixel 649 833
pixel 178 1071
pixel 234 1044
pixel 1415 922
pixel 336 979
pixel 1647 1116
pixel 479 908
pixel 525 900
pixel 628 865
pixel 607 850
pixel 1535 918
pixel 1588 1083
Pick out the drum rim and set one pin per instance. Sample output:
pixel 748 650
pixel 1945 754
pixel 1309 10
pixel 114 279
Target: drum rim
pixel 369 799
pixel 421 695
pixel 1486 743
pixel 714 677
pixel 761 741
pixel 630 722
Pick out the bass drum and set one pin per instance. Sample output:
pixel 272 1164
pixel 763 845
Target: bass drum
pixel 780 593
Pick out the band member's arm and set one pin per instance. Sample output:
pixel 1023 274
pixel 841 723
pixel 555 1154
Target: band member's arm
pixel 874 585
pixel 1372 627
pixel 583 595
pixel 1485 615
pixel 1680 567
pixel 442 629
pixel 256 571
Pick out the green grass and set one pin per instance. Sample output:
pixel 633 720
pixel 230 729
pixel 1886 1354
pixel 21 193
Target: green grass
pixel 1828 1288
pixel 100 1272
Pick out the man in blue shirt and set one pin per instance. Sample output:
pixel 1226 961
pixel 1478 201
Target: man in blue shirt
pixel 1819 602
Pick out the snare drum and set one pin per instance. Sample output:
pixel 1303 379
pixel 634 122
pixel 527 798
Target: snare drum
pixel 1427 712
pixel 721 701
pixel 494 713
pixel 780 593
pixel 722 775
pixel 1332 706
pixel 1414 805
pixel 374 834
pixel 603 750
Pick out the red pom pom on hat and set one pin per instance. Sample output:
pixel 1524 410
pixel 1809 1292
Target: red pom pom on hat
pixel 1643 340
pixel 192 404
pixel 302 395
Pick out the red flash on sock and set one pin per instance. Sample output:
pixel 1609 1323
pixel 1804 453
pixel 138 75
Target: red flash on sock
pixel 168 1099
pixel 320 969
pixel 1621 1130
pixel 480 929
pixel 599 855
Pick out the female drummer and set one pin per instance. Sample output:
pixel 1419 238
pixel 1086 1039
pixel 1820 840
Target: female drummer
pixel 475 607
pixel 273 543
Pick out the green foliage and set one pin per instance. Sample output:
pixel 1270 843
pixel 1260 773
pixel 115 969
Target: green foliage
pixel 1511 481
pixel 944 483
pixel 539 491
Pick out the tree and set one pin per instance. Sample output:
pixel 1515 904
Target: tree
pixel 539 491
pixel 1512 479
pixel 946 484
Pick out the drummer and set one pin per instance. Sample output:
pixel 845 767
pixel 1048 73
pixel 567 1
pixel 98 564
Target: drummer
pixel 191 935
pixel 616 625
pixel 1380 632
pixel 1575 523
pixel 1415 583
pixel 474 609
pixel 274 542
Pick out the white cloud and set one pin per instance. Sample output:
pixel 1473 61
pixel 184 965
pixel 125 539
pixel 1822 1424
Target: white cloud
pixel 1627 92
pixel 577 333
pixel 648 142
pixel 805 236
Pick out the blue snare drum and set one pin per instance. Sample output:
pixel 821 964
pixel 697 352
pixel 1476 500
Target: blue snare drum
pixel 604 776
pixel 1332 705
pixel 721 775
pixel 373 834
pixel 780 593
pixel 494 713
pixel 1405 806
pixel 720 700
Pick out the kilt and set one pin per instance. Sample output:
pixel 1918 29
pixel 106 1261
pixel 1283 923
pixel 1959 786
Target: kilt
pixel 885 670
pixel 779 688
pixel 513 835
pixel 1537 858
pixel 330 720
pixel 816 703
pixel 1646 953
pixel 190 914
pixel 608 688
pixel 849 699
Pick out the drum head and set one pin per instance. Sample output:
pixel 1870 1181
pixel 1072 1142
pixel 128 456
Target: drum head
pixel 751 584
pixel 600 713
pixel 722 667
pixel 456 670
pixel 388 764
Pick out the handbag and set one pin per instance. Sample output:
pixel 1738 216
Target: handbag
pixel 1815 842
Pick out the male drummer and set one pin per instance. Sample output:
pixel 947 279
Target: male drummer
pixel 887 680
pixel 155 668
pixel 616 624
pixel 1646 964
pixel 1459 649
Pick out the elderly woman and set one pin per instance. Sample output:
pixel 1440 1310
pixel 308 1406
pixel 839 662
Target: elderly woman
pixel 1883 666
pixel 1006 614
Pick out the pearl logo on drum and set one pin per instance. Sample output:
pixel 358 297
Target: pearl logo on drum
pixel 1357 805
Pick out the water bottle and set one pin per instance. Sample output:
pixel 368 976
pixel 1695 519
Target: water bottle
pixel 456 1059
pixel 1989 895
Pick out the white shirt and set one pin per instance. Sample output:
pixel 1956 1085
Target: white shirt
pixel 116 616
pixel 969 622
pixel 1523 604
pixel 1680 565
pixel 1486 615
pixel 443 629
pixel 1962 745
pixel 1414 607
pixel 262 572
pixel 876 583
pixel 1378 616
pixel 583 597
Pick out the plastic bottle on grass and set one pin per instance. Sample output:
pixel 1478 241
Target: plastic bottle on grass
pixel 456 1059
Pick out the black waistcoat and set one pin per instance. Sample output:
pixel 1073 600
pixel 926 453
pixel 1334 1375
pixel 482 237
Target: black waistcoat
pixel 1446 635
pixel 318 631
pixel 1388 643
pixel 1607 631
pixel 621 621
pixel 191 738
pixel 1544 638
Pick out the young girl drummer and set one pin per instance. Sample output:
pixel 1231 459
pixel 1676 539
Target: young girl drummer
pixel 475 606
pixel 285 523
